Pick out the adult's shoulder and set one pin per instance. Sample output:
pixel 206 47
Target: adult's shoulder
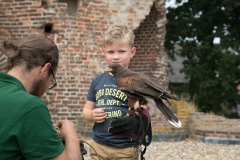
pixel 30 101
pixel 30 97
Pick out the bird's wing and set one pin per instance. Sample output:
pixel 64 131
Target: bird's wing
pixel 151 84
pixel 166 111
pixel 135 85
pixel 144 85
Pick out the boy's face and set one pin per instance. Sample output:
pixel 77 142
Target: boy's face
pixel 119 53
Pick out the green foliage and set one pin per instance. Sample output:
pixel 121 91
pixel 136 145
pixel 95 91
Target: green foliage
pixel 213 70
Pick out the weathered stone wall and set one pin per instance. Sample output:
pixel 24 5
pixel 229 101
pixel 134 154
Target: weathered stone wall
pixel 216 129
pixel 78 37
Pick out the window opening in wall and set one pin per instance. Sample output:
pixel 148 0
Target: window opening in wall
pixel 72 6
pixel 45 4
pixel 48 28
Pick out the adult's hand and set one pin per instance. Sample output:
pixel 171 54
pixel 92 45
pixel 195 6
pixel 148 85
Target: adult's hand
pixel 68 134
pixel 65 129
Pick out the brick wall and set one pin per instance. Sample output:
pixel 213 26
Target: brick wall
pixel 150 58
pixel 78 36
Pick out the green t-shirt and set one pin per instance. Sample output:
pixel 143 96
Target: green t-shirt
pixel 26 129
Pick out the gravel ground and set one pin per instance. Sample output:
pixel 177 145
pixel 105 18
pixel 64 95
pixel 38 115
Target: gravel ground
pixel 188 150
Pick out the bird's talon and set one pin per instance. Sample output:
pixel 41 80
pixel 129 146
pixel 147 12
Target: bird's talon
pixel 137 113
pixel 130 113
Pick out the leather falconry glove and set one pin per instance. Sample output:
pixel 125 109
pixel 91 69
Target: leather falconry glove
pixel 133 126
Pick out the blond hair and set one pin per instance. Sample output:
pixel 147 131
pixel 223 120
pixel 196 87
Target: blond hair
pixel 118 33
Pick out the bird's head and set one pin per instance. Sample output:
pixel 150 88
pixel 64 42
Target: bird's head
pixel 115 69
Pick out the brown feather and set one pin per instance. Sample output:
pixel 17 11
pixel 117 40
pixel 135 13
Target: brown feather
pixel 139 87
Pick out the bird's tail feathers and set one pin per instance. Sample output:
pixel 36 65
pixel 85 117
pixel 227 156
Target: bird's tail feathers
pixel 168 113
pixel 168 96
pixel 176 124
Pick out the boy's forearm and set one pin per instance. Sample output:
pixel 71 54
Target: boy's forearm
pixel 87 114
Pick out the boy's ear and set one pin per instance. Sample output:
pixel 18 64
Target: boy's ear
pixel 133 51
pixel 103 49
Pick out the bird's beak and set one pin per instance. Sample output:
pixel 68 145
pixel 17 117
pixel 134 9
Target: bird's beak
pixel 109 69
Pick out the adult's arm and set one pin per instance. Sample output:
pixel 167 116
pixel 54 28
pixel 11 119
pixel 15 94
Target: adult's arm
pixel 67 133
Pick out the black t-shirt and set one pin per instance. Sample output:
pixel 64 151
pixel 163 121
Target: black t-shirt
pixel 106 94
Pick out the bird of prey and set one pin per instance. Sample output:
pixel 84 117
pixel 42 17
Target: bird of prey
pixel 141 89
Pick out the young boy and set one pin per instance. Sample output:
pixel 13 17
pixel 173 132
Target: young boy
pixel 105 102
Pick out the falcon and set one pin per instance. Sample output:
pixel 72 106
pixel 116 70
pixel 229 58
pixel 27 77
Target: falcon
pixel 141 90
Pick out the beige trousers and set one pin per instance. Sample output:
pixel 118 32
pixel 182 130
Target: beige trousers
pixel 113 153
